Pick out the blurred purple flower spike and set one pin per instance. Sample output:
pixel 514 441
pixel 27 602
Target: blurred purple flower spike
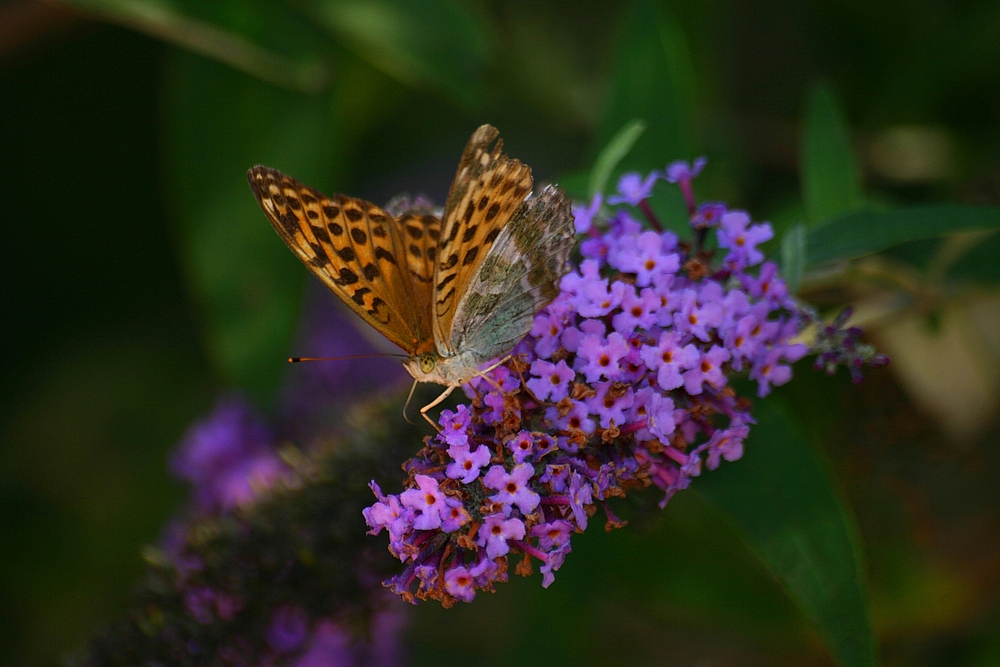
pixel 229 456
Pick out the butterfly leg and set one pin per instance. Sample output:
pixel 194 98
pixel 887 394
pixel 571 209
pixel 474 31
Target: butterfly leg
pixel 483 373
pixel 444 395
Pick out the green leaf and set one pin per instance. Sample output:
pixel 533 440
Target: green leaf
pixel 867 232
pixel 654 80
pixel 830 181
pixel 608 160
pixel 265 39
pixel 245 281
pixel 438 44
pixel 793 256
pixel 782 499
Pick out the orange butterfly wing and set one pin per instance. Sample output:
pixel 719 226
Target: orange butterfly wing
pixel 358 250
pixel 488 188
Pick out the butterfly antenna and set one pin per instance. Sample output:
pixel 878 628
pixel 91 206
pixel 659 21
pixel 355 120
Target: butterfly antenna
pixel 296 360
pixel 413 388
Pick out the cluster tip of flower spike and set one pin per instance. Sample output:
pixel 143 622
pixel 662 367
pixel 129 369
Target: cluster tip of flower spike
pixel 623 382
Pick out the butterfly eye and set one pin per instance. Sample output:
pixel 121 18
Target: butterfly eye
pixel 427 363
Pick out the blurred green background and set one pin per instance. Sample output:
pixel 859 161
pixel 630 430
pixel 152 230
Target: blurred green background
pixel 139 279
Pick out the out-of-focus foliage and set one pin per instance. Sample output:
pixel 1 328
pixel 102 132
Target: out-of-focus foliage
pixel 868 135
pixel 829 171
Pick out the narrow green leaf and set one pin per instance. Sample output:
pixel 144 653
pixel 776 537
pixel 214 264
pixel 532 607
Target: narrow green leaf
pixel 246 283
pixel 793 256
pixel 867 232
pixel 438 44
pixel 654 80
pixel 264 39
pixel 608 160
pixel 830 180
pixel 781 498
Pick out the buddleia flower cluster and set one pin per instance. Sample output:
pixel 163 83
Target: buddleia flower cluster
pixel 623 383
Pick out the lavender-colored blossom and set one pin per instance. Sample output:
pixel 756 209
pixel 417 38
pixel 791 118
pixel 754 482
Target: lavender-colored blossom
pixel 580 496
pixel 465 464
pixel 601 358
pixel 512 488
pixel 646 256
pixel 553 534
pixel 455 425
pixel 556 476
pixel 708 216
pixel 426 501
pixel 668 359
pixel 610 403
pixel 387 513
pixel 741 239
pixel 459 583
pixel 576 417
pixel 639 311
pixel 598 298
pixel 453 515
pixel 553 561
pixel 697 317
pixel 657 411
pixel 633 188
pixel 707 370
pixel 680 170
pixel 546 330
pixel 521 446
pixel 496 531
pixel 770 371
pixel 550 381
pixel 495 401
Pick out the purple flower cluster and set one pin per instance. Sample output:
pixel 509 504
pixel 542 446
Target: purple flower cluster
pixel 229 457
pixel 622 383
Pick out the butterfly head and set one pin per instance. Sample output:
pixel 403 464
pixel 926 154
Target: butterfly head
pixel 424 367
pixel 447 371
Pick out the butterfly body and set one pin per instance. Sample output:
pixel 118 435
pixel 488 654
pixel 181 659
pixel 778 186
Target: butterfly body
pixel 453 293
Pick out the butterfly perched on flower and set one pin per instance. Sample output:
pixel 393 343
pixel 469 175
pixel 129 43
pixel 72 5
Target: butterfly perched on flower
pixel 454 292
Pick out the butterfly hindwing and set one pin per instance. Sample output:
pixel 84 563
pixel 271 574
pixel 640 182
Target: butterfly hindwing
pixel 488 188
pixel 356 249
pixel 518 277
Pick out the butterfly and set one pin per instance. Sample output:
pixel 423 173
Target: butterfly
pixel 453 292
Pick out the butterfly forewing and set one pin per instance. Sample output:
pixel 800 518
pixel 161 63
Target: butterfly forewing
pixel 487 190
pixel 356 249
pixel 518 277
